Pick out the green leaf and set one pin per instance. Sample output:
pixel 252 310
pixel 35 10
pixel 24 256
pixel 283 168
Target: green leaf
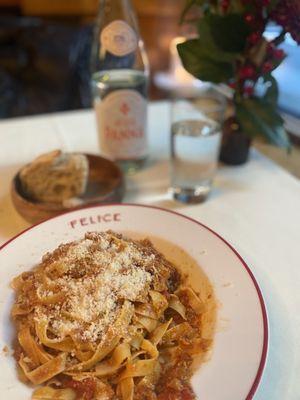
pixel 198 61
pixel 258 117
pixel 207 41
pixel 272 92
pixel 229 31
pixel 203 59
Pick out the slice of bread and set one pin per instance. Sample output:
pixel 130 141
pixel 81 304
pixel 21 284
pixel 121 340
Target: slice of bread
pixel 55 177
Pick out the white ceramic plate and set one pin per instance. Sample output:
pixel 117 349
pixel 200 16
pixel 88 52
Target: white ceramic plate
pixel 240 347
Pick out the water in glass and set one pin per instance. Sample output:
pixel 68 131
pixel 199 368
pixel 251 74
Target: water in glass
pixel 195 148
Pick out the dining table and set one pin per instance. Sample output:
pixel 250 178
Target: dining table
pixel 255 207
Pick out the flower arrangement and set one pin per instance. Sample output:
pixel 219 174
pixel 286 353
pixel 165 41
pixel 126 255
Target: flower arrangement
pixel 231 48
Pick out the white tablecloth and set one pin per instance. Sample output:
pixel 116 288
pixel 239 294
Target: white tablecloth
pixel 256 207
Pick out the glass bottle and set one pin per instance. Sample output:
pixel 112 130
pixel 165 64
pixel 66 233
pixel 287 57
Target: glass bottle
pixel 120 74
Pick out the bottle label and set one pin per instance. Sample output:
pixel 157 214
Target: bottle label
pixel 119 38
pixel 122 119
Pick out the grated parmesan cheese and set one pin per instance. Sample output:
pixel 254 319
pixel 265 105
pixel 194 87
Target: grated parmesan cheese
pixel 99 273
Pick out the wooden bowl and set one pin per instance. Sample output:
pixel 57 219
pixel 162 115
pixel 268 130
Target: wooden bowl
pixel 105 185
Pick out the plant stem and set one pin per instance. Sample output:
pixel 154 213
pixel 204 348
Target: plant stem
pixel 280 38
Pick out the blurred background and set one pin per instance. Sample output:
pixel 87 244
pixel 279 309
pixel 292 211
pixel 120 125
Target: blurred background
pixel 45 49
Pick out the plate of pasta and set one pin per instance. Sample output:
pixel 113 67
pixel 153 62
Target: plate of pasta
pixel 128 302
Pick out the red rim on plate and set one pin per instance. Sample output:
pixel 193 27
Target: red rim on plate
pixel 262 363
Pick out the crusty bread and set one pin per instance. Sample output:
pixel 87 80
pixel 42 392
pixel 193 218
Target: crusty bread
pixel 55 177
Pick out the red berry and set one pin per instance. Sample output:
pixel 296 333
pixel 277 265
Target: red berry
pixel 249 90
pixel 232 85
pixel 278 54
pixel 254 37
pixel 225 5
pixel 282 19
pixel 265 3
pixel 267 67
pixel 249 18
pixel 247 72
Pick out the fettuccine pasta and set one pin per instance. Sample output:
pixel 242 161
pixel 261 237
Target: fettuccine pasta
pixel 107 318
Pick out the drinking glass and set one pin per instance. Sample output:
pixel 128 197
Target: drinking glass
pixel 195 145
